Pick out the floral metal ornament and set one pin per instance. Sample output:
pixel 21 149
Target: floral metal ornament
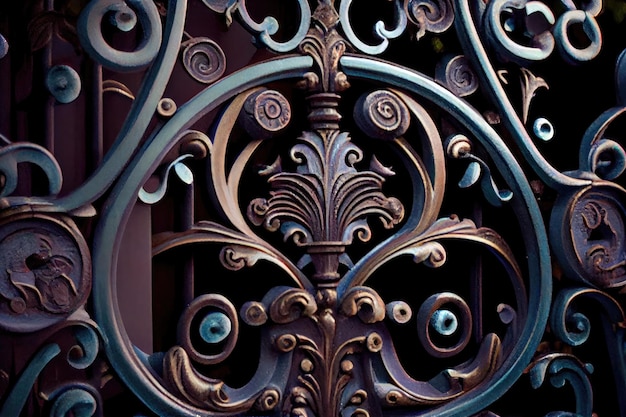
pixel 336 223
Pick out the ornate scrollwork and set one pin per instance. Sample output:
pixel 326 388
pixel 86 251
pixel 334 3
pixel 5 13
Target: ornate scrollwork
pixel 325 347
pixel 268 27
pixel 203 59
pixel 125 16
pixel 382 114
pixel 456 73
pixel 317 209
pixel 380 30
pixel 326 46
pixel 76 399
pixel 429 15
pixel 16 153
pixel 194 145
pixel 562 368
pixel 459 146
pixel 541 40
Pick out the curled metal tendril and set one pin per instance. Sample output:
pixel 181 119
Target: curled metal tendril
pixel 76 401
pixel 365 303
pixel 269 26
pixel 286 342
pixel 607 159
pixel 562 368
pixel 434 16
pixel 432 254
pixel 448 316
pixel 459 147
pixel 268 400
pixel 125 13
pixel 195 145
pixel 381 114
pixel 574 327
pixel 288 304
pixel 84 353
pixel 457 75
pixel 203 59
pixel 585 18
pixel 598 154
pixel 381 32
pixel 236 257
pixel 15 400
pixel 219 326
pixel 13 154
pixel 555 32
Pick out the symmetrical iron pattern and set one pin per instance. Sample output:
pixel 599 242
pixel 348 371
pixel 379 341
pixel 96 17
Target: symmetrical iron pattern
pixel 393 207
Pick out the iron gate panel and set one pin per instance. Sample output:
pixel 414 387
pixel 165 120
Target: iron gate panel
pixel 367 210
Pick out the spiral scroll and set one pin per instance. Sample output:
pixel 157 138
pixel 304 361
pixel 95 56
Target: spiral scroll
pixel 382 114
pixel 456 73
pixel 203 59
pixel 125 14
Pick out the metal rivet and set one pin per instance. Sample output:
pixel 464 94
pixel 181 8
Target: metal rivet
pixel 543 129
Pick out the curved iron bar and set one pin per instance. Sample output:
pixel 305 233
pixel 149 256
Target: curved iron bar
pixel 138 118
pixel 15 401
pixel 474 49
pixel 540 288
pixel 122 355
pixel 106 244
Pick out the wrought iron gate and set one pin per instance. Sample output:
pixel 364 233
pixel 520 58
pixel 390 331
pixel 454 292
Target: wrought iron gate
pixel 366 208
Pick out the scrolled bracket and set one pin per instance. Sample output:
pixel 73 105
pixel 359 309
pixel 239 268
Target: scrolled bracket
pixel 381 114
pixel 456 73
pixel 434 16
pixel 562 368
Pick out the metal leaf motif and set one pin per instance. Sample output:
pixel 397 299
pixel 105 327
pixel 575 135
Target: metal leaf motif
pixel 325 205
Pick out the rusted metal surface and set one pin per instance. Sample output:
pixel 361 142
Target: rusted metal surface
pixel 387 208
